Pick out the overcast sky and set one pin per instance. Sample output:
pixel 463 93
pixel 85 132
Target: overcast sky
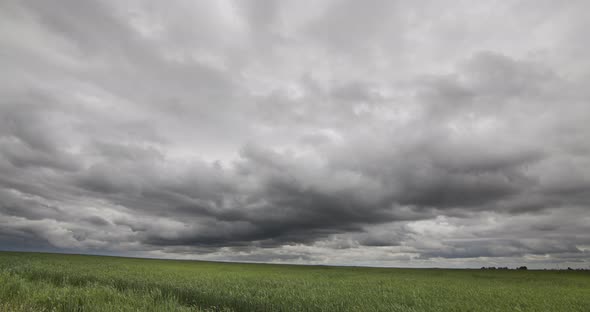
pixel 393 133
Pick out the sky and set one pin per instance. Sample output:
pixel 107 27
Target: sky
pixel 380 133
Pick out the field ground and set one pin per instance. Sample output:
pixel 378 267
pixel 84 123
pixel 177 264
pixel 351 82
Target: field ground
pixel 52 282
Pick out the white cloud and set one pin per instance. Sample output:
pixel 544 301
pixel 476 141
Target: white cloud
pixel 384 133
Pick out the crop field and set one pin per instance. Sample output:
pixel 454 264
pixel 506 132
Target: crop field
pixel 52 282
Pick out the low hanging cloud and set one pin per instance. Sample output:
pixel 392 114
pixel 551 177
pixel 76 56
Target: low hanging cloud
pixel 382 133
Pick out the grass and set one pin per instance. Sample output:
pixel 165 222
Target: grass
pixel 53 282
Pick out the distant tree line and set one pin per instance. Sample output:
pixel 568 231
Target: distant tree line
pixel 503 268
pixel 525 268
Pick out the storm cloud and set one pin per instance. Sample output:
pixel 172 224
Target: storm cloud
pixel 403 133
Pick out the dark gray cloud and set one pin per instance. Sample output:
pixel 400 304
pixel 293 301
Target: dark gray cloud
pixel 382 133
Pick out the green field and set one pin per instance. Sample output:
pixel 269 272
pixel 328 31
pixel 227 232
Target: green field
pixel 52 282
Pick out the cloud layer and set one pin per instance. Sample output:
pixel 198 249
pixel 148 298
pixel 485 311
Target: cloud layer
pixel 407 133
